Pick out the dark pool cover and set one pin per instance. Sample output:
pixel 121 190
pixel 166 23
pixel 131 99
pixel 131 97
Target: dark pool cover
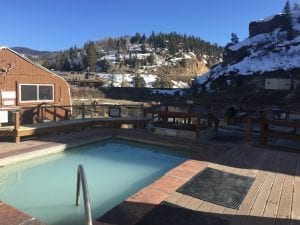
pixel 218 187
pixel 167 214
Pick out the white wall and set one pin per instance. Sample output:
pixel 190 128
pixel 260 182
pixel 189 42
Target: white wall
pixel 277 84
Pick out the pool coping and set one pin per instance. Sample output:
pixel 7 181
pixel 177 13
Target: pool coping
pixel 135 207
pixel 162 187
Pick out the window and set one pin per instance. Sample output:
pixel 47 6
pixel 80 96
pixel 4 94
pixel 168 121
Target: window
pixel 36 92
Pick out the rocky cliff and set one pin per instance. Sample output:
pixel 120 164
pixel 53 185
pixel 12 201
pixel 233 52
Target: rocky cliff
pixel 267 50
pixel 267 25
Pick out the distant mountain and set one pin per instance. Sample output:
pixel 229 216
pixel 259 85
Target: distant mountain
pixel 271 49
pixel 31 53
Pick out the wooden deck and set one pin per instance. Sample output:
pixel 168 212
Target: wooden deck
pixel 274 197
pixel 64 125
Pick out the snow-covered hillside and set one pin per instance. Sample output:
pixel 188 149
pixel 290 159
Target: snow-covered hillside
pixel 127 80
pixel 259 54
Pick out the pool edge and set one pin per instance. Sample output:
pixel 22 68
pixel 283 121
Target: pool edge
pixel 56 148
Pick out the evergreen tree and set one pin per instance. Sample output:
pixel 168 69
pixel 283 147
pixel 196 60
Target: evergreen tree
pixel 91 55
pixel 150 59
pixel 65 63
pixel 234 39
pixel 139 82
pixel 163 82
pixel 103 65
pixel 143 48
pixel 288 23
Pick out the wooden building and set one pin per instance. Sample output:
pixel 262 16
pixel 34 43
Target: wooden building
pixel 25 86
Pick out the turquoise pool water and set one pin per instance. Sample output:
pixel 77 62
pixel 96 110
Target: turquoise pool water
pixel 45 188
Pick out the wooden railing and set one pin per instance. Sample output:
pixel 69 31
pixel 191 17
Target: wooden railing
pixel 51 112
pixel 266 131
pixel 54 112
pixel 17 130
pixel 164 116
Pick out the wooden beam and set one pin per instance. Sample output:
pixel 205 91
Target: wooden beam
pixel 17 126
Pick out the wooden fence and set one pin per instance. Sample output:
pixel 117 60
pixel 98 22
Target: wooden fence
pixel 282 129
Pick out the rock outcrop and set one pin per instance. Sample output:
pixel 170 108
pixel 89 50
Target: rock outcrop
pixel 266 26
pixel 267 51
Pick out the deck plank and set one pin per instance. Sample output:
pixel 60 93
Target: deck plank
pixel 258 207
pixel 285 204
pixel 194 204
pixel 205 206
pixel 296 196
pixel 246 206
pixel 271 208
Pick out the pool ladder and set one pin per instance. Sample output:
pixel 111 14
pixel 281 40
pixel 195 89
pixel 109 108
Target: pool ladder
pixel 81 178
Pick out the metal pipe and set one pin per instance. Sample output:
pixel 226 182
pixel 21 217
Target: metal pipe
pixel 81 178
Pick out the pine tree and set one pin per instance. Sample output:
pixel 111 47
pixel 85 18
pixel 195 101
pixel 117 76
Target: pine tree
pixel 234 38
pixel 103 65
pixel 288 23
pixel 143 48
pixel 91 55
pixel 139 82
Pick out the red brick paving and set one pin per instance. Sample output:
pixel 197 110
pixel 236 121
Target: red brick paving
pixel 12 216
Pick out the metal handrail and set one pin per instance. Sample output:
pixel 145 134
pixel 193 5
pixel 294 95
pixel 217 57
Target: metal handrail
pixel 81 178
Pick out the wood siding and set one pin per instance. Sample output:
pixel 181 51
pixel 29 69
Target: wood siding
pixel 24 71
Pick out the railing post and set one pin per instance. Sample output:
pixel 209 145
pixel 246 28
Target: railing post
pixel 248 130
pixel 66 116
pixel 198 128
pixel 54 113
pixel 83 111
pixel 17 126
pixel 263 131
pixel 42 113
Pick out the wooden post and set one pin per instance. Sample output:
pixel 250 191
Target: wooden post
pixel 263 131
pixel 166 115
pixel 83 111
pixel 198 128
pixel 248 130
pixel 54 113
pixel 17 126
pixel 42 112
pixel 190 114
pixel 66 117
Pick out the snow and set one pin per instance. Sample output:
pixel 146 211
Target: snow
pixel 176 59
pixel 284 55
pixel 189 55
pixel 179 84
pixel 127 78
pixel 168 92
pixel 256 40
pixel 268 18
pixel 108 57
pixel 149 79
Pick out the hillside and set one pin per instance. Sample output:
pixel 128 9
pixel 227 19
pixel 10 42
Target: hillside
pixel 35 54
pixel 170 59
pixel 271 50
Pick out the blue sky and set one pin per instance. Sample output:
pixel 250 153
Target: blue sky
pixel 60 24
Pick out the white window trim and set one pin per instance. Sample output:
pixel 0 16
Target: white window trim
pixel 20 99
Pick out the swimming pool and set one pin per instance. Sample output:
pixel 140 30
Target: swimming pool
pixel 45 188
